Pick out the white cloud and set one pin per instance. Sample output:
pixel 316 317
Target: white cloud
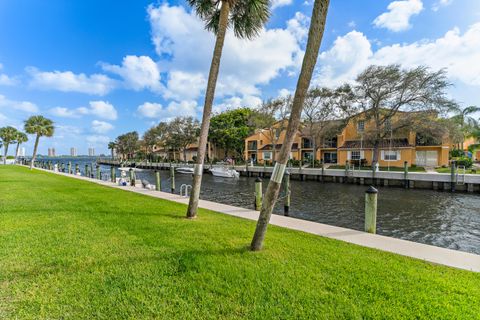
pixel 97 140
pixel 100 109
pixel 345 60
pixel 237 102
pixel 174 109
pixel 184 85
pixel 67 81
pixel 399 14
pixel 150 110
pixel 441 3
pixel 64 112
pixel 245 64
pixel 456 52
pixel 25 106
pixel 101 126
pixel 280 3
pixel 6 80
pixel 138 73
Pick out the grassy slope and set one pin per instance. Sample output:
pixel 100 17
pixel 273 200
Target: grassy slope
pixel 72 249
pixel 449 170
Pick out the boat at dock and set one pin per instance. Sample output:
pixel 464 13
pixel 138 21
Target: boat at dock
pixel 225 172
pixel 128 169
pixel 186 170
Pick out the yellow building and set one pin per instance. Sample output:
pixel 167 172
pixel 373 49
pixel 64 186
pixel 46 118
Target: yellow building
pixel 189 154
pixel 352 145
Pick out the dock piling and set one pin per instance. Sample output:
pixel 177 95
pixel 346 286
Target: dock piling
pixel 371 196
pixel 113 178
pixel 286 206
pixel 452 176
pixel 158 181
pixel 258 194
pixel 172 179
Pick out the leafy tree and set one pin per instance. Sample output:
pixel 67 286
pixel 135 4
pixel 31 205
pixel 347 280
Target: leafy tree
pixel 40 127
pixel 20 138
pixel 325 113
pixel 468 125
pixel 8 136
pixel 229 130
pixel 247 17
pixel 149 141
pixel 272 116
pixel 384 91
pixel 183 131
pixel 112 146
pixel 315 35
pixel 127 144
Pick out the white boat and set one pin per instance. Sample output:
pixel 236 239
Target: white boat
pixel 187 170
pixel 225 172
pixel 128 169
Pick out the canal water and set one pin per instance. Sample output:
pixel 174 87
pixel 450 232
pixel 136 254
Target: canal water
pixel 432 217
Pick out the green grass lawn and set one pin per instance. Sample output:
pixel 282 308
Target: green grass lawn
pixel 449 170
pixel 75 250
pixel 369 168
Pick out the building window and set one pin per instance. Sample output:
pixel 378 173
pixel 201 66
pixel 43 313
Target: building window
pixel 391 155
pixel 361 126
pixel 307 143
pixel 388 125
pixel 252 145
pixel 356 155
pixel 267 156
pixel 277 133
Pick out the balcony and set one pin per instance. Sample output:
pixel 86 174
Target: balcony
pixel 252 145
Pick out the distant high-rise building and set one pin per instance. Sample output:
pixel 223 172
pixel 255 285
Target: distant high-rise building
pixel 91 152
pixel 51 152
pixel 73 152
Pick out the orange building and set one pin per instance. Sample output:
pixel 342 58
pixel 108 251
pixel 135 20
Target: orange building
pixel 352 145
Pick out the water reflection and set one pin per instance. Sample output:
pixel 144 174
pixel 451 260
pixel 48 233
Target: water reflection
pixel 432 217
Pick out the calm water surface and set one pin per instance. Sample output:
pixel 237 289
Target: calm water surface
pixel 432 217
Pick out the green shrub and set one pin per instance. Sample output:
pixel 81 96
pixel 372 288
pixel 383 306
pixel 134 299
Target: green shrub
pixel 10 157
pixel 464 161
pixel 456 153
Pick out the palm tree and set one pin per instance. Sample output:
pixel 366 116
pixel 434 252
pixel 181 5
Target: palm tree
pixel 39 126
pixel 111 146
pixel 467 123
pixel 8 136
pixel 21 138
pixel 315 35
pixel 247 17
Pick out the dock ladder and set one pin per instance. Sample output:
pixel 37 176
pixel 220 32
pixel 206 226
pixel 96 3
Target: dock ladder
pixel 460 175
pixel 184 188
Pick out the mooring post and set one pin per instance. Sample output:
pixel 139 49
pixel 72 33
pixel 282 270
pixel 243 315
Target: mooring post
pixel 323 169
pixel 69 167
pixel 452 176
pixel 113 178
pixel 158 182
pixel 132 178
pixel 286 206
pixel 258 194
pixel 405 174
pixel 98 172
pixel 346 171
pixel 86 171
pixel 172 179
pixel 371 210
pixel 77 168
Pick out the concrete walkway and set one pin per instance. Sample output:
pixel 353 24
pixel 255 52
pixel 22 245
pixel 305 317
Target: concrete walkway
pixel 443 256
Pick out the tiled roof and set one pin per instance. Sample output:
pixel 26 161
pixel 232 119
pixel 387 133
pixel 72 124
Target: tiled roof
pixel 368 144
pixel 268 147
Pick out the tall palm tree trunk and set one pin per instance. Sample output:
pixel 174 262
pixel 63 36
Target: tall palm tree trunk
pixel 207 110
pixel 6 152
pixel 315 35
pixel 16 151
pixel 34 151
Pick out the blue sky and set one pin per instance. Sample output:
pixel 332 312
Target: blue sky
pixel 101 68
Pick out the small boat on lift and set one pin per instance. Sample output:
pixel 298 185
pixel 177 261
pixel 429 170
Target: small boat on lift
pixel 186 170
pixel 224 172
pixel 126 169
